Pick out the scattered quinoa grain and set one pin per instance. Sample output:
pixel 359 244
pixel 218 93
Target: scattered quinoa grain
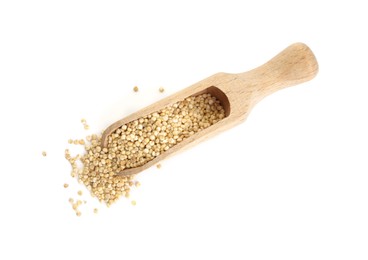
pixel 137 184
pixel 95 210
pixel 80 193
pixel 66 185
pixel 161 89
pixel 44 153
pixel 85 125
pixel 71 200
pixel 78 213
pixel 134 202
pixel 135 89
pixel 158 166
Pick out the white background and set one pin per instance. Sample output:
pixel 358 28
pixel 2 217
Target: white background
pixel 289 183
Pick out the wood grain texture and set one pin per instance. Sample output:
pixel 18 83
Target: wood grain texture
pixel 238 93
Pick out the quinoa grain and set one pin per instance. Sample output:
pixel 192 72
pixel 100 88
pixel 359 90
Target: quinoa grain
pixel 85 125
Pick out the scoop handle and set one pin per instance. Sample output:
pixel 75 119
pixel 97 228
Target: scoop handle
pixel 295 64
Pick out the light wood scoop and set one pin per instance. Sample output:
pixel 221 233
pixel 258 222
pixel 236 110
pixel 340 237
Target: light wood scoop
pixel 238 93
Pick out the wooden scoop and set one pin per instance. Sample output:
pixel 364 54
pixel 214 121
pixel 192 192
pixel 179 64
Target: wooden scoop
pixel 238 93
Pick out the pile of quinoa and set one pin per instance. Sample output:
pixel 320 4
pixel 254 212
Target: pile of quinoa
pixel 136 143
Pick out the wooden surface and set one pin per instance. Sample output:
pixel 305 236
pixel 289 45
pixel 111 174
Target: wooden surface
pixel 238 94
